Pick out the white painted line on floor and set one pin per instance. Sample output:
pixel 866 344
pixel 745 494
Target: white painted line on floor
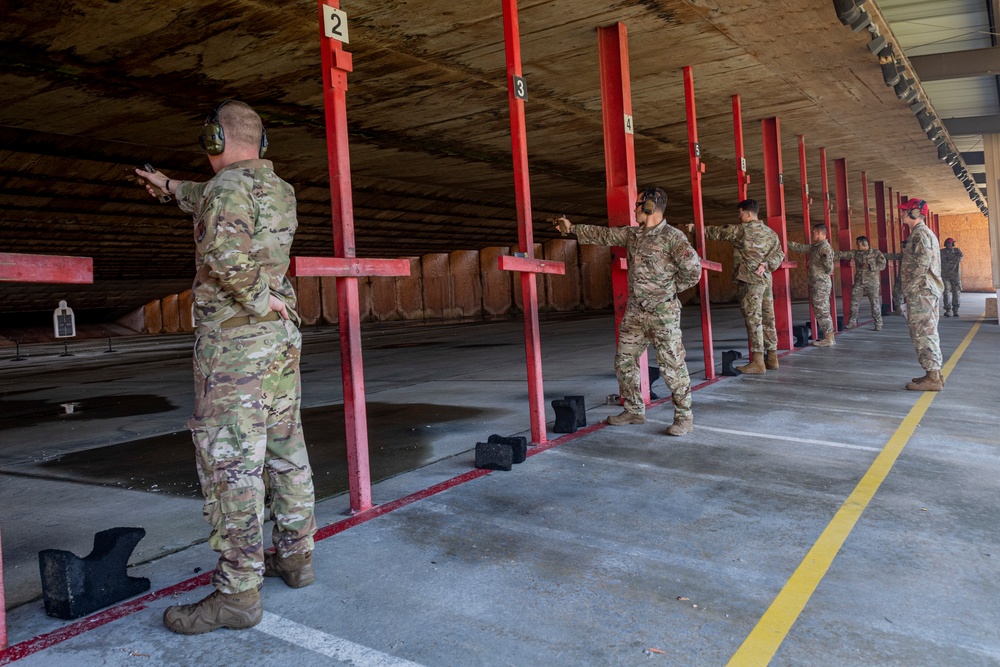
pixel 768 436
pixel 320 642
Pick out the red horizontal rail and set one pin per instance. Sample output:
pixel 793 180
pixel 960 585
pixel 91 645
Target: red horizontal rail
pixel 530 265
pixel 709 265
pixel 20 268
pixel 788 265
pixel 347 267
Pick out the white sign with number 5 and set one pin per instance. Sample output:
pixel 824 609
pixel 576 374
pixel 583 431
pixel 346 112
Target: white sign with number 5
pixel 335 23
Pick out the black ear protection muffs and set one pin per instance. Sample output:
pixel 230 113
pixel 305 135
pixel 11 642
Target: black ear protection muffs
pixel 213 137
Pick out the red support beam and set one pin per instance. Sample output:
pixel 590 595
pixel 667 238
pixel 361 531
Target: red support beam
pixel 844 234
pixel 827 204
pixel 348 267
pixel 883 241
pixel 937 226
pixel 774 187
pixel 619 162
pixel 742 177
pixel 516 96
pixel 806 222
pixel 864 202
pixel 697 169
pixel 526 265
pixel 904 231
pixel 893 235
pixel 56 269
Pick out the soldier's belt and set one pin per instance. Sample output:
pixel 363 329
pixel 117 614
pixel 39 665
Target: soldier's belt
pixel 243 320
pixel 650 305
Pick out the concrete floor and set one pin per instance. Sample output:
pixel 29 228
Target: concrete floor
pixel 605 549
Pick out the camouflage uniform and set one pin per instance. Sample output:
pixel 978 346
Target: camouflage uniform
pixel 246 426
pixel 922 288
pixel 951 275
pixel 757 244
pixel 661 264
pixel 868 264
pixel 820 279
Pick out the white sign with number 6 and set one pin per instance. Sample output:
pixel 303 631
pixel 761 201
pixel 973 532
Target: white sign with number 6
pixel 335 23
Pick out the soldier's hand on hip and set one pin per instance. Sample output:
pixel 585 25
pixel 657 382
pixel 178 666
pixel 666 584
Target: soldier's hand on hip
pixel 278 306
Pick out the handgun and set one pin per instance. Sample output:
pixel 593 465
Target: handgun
pixel 161 195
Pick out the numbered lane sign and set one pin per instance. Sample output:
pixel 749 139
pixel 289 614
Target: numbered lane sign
pixel 520 87
pixel 335 23
pixel 63 321
pixel 629 127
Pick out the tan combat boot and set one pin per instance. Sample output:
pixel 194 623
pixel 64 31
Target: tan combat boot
pixel 681 425
pixel 626 417
pixel 237 611
pixel 296 570
pixel 878 326
pixel 933 381
pixel 852 324
pixel 829 339
pixel 771 360
pixel 755 367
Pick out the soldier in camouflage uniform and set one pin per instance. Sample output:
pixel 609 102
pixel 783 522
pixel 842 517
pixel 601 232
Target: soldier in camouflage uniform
pixel 246 425
pixel 922 288
pixel 820 281
pixel 661 265
pixel 951 274
pixel 760 254
pixel 868 264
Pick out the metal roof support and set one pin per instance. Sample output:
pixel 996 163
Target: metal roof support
pixel 883 243
pixel 774 187
pixel 619 163
pixel 825 176
pixel 806 223
pixel 697 169
pixel 991 148
pixel 844 233
pixel 516 95
pixel 337 63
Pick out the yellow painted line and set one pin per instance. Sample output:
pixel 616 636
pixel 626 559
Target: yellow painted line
pixel 763 641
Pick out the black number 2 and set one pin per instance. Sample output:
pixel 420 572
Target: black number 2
pixel 337 21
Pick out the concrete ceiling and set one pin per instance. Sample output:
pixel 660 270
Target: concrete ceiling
pixel 89 88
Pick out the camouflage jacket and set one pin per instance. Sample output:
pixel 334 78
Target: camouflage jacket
pixel 820 258
pixel 244 221
pixel 757 244
pixel 921 268
pixel 867 263
pixel 951 263
pixel 661 261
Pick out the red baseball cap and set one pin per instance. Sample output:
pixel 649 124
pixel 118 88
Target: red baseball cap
pixel 918 204
pixel 949 240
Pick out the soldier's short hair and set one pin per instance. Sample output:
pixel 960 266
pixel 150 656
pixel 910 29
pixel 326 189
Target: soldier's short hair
pixel 241 124
pixel 657 195
pixel 750 205
pixel 863 239
pixel 819 226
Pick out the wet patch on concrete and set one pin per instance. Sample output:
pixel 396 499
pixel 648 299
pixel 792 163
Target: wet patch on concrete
pixel 21 413
pixel 400 438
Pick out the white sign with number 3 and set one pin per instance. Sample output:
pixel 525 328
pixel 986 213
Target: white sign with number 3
pixel 335 23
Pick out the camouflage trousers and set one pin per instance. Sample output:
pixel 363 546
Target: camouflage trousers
pixel 250 448
pixel 871 288
pixel 662 329
pixel 757 306
pixel 897 294
pixel 952 290
pixel 922 314
pixel 819 297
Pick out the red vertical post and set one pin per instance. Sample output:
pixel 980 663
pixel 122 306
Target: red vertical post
pixel 336 65
pixel 774 186
pixel 825 175
pixel 937 226
pixel 3 605
pixel 844 233
pixel 525 232
pixel 697 169
pixel 893 242
pixel 864 201
pixel 904 231
pixel 742 177
pixel 883 240
pixel 619 162
pixel 806 222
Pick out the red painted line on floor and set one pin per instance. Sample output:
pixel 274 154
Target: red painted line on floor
pixel 42 642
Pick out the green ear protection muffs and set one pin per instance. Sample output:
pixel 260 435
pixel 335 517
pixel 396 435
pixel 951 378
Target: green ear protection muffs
pixel 213 137
pixel 647 200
